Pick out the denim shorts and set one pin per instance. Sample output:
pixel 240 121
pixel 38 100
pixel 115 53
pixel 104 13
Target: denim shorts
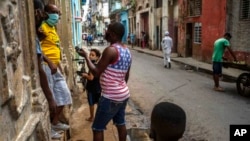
pixel 59 87
pixel 108 109
pixel 217 67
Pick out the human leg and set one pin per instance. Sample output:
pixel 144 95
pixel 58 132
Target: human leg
pixel 119 120
pixel 217 71
pixel 122 132
pixel 164 59
pixel 169 60
pixel 91 113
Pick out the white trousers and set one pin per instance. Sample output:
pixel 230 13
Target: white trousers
pixel 166 58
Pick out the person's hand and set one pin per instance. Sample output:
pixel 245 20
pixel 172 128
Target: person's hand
pixel 53 68
pixel 82 53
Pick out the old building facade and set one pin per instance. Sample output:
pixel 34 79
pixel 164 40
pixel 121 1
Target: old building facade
pixel 201 22
pixel 24 114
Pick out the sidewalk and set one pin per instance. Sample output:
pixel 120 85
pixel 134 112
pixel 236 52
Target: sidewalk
pixel 229 73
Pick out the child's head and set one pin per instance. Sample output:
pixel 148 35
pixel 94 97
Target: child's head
pixel 168 122
pixel 94 54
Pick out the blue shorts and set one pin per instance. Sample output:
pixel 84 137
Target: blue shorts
pixel 93 98
pixel 217 68
pixel 108 109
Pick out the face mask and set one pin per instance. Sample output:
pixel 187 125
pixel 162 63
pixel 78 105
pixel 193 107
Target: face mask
pixel 53 19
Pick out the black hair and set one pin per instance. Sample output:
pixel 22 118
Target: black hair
pixel 38 4
pixel 118 29
pixel 227 35
pixel 97 52
pixel 168 122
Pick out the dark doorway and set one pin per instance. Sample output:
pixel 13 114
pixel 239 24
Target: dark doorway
pixel 157 37
pixel 189 40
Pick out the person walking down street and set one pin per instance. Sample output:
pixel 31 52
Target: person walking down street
pixel 51 49
pixel 93 85
pixel 113 69
pixel 167 44
pixel 219 48
pixel 132 39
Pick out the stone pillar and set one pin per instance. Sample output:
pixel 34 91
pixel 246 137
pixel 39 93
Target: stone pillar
pixel 165 16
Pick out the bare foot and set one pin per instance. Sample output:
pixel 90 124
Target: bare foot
pixel 89 119
pixel 219 89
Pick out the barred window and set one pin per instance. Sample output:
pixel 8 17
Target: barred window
pixel 194 7
pixel 197 33
pixel 245 10
pixel 158 3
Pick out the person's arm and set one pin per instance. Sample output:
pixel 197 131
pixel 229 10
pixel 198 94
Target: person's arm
pixel 109 55
pixel 51 65
pixel 88 76
pixel 231 52
pixel 127 75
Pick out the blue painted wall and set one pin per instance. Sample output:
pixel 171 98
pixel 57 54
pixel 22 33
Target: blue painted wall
pixel 76 26
pixel 124 21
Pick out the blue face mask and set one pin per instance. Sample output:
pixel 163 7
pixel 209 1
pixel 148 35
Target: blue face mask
pixel 53 19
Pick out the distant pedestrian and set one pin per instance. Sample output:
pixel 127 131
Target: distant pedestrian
pixel 93 85
pixel 128 39
pixel 167 44
pixel 143 39
pixel 132 39
pixel 168 122
pixel 219 48
pixel 113 69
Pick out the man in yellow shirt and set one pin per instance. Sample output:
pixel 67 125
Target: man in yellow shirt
pixel 50 44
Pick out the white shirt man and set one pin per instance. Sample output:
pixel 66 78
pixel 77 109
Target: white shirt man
pixel 167 45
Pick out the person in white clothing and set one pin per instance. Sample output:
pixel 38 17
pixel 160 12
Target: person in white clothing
pixel 167 44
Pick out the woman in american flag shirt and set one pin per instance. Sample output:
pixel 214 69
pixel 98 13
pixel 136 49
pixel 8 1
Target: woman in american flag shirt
pixel 113 69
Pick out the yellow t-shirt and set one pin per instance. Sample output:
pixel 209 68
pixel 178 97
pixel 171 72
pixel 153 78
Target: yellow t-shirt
pixel 50 44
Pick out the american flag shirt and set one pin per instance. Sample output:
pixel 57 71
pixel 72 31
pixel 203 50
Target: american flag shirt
pixel 112 80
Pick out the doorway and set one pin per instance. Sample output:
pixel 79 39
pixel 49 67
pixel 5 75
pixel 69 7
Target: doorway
pixel 189 39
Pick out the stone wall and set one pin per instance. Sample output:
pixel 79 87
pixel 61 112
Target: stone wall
pixel 24 113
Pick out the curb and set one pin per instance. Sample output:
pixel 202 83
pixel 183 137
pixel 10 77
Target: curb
pixel 193 67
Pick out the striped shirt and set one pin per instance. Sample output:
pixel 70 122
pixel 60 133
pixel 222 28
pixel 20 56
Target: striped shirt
pixel 112 80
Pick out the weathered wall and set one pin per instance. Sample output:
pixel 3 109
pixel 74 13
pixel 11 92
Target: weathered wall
pixel 24 110
pixel 24 114
pixel 213 19
pixel 240 30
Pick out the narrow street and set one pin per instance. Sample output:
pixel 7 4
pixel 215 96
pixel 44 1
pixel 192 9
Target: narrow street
pixel 209 113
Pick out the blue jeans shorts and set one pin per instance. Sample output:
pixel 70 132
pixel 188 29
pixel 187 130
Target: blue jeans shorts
pixel 108 109
pixel 217 68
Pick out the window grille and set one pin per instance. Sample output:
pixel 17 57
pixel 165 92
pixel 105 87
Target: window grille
pixel 158 3
pixel 197 33
pixel 194 7
pixel 245 10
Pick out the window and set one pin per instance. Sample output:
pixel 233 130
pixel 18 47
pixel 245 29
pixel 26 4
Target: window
pixel 245 10
pixel 197 32
pixel 158 3
pixel 194 7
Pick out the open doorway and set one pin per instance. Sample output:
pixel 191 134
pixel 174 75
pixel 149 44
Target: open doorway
pixel 189 40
